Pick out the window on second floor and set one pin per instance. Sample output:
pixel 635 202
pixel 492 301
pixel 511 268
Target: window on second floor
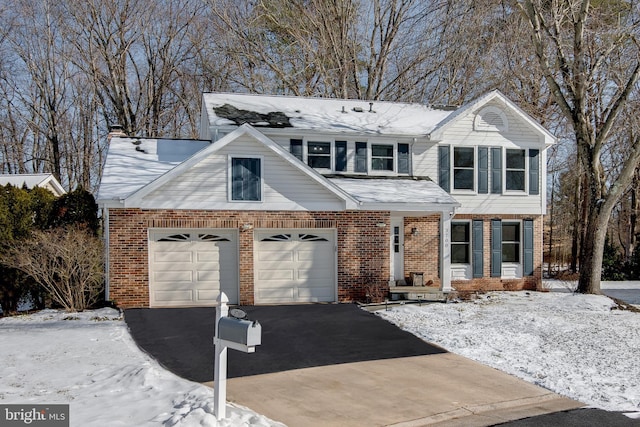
pixel 515 170
pixel 246 181
pixel 319 154
pixel 366 157
pixel 382 157
pixel 463 168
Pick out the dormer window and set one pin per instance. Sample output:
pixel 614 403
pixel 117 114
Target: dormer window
pixel 491 119
pixel 380 158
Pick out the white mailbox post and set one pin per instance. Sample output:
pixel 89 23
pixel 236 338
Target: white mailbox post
pixel 231 332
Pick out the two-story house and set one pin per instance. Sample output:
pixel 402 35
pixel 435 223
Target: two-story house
pixel 287 199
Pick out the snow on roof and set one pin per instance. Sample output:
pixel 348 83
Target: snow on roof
pixel 132 163
pixel 397 191
pixel 333 115
pixel 31 180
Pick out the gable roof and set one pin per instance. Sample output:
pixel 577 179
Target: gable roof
pixel 323 114
pixel 175 171
pixel 436 133
pixel 31 180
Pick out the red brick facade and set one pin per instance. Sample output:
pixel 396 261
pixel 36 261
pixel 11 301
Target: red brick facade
pixel 363 249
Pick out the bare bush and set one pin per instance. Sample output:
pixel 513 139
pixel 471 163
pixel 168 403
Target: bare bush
pixel 67 263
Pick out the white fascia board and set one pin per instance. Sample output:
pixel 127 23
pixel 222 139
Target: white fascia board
pixel 409 207
pixel 110 203
pixel 51 180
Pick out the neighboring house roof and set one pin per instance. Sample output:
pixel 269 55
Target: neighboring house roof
pixel 469 108
pixel 323 114
pixel 397 194
pixel 31 180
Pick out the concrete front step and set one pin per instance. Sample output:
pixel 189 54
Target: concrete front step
pixel 417 293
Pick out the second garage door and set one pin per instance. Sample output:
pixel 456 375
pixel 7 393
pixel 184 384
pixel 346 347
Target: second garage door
pixel 295 266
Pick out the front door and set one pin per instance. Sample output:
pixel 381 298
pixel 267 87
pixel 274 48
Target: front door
pixel 397 248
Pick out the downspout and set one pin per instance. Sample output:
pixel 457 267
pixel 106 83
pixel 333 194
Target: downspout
pixel 445 249
pixel 105 222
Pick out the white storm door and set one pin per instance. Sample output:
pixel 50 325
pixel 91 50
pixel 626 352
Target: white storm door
pixel 397 248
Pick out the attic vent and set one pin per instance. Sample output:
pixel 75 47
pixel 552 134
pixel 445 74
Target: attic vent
pixel 491 119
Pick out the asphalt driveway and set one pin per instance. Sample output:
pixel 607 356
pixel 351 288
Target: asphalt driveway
pixel 293 337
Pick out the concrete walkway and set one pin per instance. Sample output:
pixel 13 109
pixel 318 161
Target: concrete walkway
pixel 439 389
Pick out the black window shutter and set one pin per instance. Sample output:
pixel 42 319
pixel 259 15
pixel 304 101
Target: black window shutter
pixel 341 156
pixel 477 261
pixel 496 170
pixel 496 248
pixel 444 167
pixel 534 172
pixel 361 157
pixel 403 158
pixel 295 148
pixel 528 247
pixel 483 170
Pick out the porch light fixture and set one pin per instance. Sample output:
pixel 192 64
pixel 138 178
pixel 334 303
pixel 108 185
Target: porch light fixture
pixel 246 227
pixel 381 224
pixel 415 232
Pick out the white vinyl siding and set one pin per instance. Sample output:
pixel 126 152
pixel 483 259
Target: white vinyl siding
pixel 205 186
pixel 519 136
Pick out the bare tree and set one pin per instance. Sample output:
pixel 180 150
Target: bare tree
pixel 589 57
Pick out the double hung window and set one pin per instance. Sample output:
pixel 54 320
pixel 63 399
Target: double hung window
pixel 463 168
pixel 515 170
pixel 511 242
pixel 319 154
pixel 460 243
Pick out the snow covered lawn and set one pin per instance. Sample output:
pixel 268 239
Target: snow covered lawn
pixel 572 344
pixel 90 361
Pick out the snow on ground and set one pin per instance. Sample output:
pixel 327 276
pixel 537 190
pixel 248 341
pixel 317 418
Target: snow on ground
pixel 90 361
pixel 575 345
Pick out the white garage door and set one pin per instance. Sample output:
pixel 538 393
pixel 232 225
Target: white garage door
pixel 190 267
pixel 295 266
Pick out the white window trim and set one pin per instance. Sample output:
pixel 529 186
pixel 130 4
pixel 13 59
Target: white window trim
pixel 524 192
pixel 514 266
pixel 351 154
pixel 470 249
pixel 475 171
pixel 230 157
pixel 332 156
pixel 393 172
